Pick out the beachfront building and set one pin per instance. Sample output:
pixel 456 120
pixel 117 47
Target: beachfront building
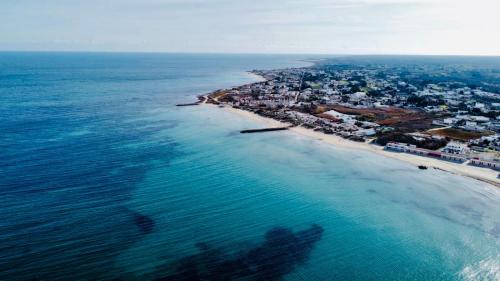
pixel 397 146
pixel 453 157
pixel 485 164
pixel 412 149
pixel 454 147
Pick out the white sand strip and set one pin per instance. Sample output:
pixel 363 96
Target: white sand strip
pixel 482 174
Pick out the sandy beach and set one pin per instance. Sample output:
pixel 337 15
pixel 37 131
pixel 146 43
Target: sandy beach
pixel 482 174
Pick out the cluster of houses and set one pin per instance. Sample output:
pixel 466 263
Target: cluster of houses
pixel 291 95
pixel 471 123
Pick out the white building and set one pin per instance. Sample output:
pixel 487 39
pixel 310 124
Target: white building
pixel 485 164
pixel 449 121
pixel 366 132
pixel 479 105
pixel 358 95
pixel 480 118
pixel 456 148
pixel 472 126
pixel 344 117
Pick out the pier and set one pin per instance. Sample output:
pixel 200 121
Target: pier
pixel 188 104
pixel 201 99
pixel 264 130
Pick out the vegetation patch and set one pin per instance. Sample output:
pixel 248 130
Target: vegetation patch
pixel 458 134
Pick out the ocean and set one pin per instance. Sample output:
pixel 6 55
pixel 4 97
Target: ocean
pixel 102 177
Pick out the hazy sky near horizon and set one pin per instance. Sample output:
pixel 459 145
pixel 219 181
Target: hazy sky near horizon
pixel 258 26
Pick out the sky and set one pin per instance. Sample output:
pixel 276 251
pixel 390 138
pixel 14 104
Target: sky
pixel 439 27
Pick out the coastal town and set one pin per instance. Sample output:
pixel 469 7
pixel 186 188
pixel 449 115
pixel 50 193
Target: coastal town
pixel 428 111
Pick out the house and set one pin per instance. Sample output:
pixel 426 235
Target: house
pixel 366 132
pixel 449 121
pixel 473 126
pixel 480 119
pixel 456 148
pixel 485 164
pixel 479 105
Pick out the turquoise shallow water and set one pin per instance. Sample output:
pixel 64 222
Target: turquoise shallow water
pixel 104 178
pixel 383 219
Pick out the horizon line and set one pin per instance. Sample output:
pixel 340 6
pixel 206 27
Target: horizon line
pixel 245 53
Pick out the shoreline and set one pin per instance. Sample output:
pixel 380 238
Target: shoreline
pixel 481 174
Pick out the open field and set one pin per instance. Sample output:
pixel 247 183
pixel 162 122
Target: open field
pixel 400 118
pixel 458 134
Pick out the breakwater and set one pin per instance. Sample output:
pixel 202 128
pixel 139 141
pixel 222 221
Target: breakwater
pixel 188 104
pixel 264 130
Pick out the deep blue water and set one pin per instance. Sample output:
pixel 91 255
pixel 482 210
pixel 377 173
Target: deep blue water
pixel 102 177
